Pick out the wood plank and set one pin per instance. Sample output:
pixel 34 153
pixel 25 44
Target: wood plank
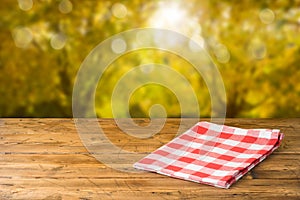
pixel 66 166
pixel 65 126
pixel 175 188
pixel 290 145
pixel 49 142
pixel 45 159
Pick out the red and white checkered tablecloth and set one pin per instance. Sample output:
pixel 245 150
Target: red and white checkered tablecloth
pixel 212 154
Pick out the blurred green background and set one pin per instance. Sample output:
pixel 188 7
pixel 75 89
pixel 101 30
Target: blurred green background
pixel 255 45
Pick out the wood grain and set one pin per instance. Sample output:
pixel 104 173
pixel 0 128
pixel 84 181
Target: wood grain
pixel 45 159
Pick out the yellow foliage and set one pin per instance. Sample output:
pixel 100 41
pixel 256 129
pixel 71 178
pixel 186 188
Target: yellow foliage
pixel 255 45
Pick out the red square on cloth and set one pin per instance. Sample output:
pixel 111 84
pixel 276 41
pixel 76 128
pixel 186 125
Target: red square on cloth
pixel 212 154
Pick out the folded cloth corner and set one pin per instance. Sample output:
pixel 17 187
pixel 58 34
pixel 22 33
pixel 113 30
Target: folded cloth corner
pixel 212 154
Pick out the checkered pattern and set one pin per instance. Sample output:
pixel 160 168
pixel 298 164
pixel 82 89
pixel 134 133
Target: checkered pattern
pixel 212 154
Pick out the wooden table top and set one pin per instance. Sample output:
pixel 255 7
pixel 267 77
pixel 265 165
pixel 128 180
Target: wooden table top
pixel 45 159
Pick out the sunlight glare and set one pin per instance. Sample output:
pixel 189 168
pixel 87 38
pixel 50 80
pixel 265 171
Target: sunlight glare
pixel 168 16
pixel 176 17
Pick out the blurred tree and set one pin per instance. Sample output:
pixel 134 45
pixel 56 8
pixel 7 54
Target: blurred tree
pixel 261 38
pixel 255 44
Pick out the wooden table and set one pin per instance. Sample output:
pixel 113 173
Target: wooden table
pixel 45 159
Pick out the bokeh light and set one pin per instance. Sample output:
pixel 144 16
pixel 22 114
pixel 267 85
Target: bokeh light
pixel 267 16
pixel 65 6
pixel 119 10
pixel 58 41
pixel 25 5
pixel 22 36
pixel 118 45
pixel 222 53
